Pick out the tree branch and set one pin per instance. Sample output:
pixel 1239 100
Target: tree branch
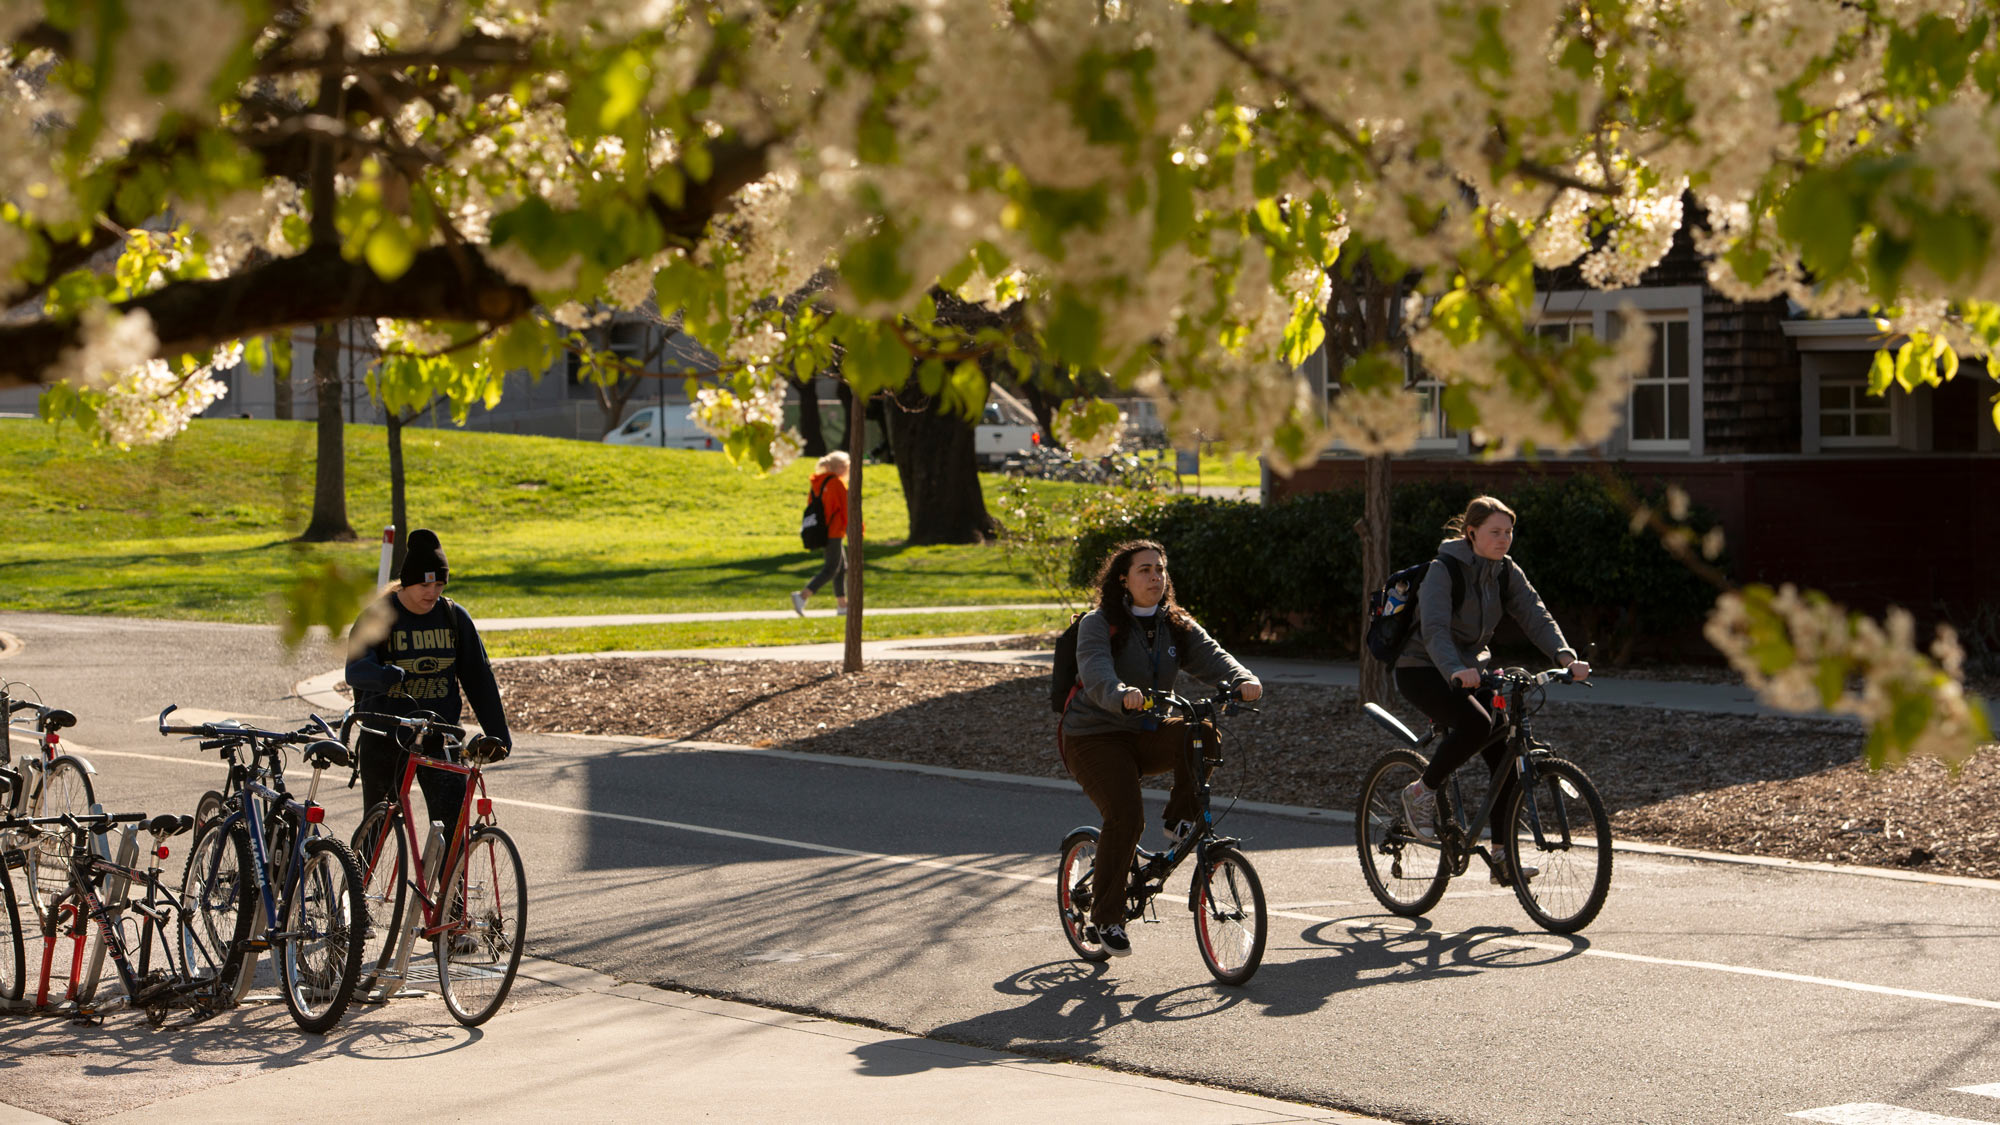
pixel 443 283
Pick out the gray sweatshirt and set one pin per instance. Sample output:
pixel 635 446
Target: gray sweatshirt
pixel 1454 638
pixel 1105 675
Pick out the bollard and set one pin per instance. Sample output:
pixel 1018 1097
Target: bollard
pixel 388 552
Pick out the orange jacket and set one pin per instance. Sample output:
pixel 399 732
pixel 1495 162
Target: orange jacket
pixel 833 497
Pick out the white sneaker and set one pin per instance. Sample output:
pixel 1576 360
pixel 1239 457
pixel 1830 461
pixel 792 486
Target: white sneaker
pixel 1420 810
pixel 798 603
pixel 840 611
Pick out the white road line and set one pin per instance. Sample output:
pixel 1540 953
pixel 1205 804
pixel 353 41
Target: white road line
pixel 966 869
pixel 1876 1113
pixel 1990 1090
pixel 1277 913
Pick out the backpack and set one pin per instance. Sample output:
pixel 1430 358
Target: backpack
pixel 1392 610
pixel 1065 682
pixel 812 526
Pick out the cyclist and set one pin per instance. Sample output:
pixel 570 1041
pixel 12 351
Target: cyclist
pixel 413 651
pixel 1136 638
pixel 1437 675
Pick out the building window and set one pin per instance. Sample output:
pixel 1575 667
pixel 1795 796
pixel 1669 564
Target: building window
pixel 1658 414
pixel 1563 330
pixel 1850 416
pixel 1437 432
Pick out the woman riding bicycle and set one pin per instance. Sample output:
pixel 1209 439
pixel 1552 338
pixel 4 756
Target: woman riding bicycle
pixel 1438 674
pixel 1135 640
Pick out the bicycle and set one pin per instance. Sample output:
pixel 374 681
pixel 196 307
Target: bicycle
pixel 470 890
pixel 52 782
pixel 1225 896
pixel 190 971
pixel 308 884
pixel 1556 821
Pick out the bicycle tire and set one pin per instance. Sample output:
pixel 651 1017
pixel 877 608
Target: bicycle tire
pixel 1406 875
pixel 1571 886
pixel 1231 922
pixel 219 887
pixel 13 962
pixel 65 788
pixel 208 810
pixel 385 883
pixel 319 956
pixel 1074 867
pixel 487 911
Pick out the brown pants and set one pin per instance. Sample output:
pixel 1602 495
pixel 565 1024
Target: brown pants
pixel 1109 767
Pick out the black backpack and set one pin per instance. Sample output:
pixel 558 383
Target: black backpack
pixel 812 526
pixel 1064 683
pixel 1392 610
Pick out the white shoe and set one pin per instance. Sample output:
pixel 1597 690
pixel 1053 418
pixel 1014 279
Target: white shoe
pixel 798 603
pixel 840 611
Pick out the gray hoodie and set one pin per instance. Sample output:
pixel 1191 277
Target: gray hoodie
pixel 1451 639
pixel 1104 676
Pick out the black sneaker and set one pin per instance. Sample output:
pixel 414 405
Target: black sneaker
pixel 1114 939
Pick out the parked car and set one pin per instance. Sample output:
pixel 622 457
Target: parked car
pixel 644 428
pixel 1001 435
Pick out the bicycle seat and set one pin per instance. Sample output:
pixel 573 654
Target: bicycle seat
pixel 167 824
pixel 326 752
pixel 56 719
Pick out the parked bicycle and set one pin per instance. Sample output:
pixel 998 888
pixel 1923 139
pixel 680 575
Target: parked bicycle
pixel 156 942
pixel 308 884
pixel 1555 822
pixel 467 894
pixel 1225 895
pixel 52 782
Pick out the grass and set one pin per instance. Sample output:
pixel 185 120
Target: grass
pixel 795 631
pixel 202 527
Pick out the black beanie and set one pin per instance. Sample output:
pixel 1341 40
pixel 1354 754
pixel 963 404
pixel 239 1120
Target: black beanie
pixel 424 561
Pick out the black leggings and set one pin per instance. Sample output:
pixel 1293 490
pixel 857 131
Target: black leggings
pixel 382 771
pixel 835 568
pixel 1468 726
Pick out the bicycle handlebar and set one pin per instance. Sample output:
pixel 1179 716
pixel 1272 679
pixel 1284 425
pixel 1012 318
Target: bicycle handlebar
pixel 229 734
pixel 1225 697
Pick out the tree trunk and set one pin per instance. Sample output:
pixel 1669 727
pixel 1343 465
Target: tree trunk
pixel 853 435
pixel 809 425
pixel 1373 528
pixel 399 513
pixel 282 406
pixel 329 514
pixel 934 458
pixel 857 423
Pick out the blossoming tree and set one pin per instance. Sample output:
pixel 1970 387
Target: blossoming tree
pixel 1155 190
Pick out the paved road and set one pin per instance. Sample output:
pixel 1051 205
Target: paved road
pixel 921 901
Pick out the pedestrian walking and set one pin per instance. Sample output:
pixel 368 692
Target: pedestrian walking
pixel 825 525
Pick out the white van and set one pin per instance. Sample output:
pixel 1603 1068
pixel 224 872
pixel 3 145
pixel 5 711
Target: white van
pixel 1006 427
pixel 644 428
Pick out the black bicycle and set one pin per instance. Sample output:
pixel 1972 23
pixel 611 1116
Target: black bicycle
pixel 1555 824
pixel 307 884
pixel 1225 896
pixel 157 945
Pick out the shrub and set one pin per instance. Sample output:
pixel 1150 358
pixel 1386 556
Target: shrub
pixel 1291 571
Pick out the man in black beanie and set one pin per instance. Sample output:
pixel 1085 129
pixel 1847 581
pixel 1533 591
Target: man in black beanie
pixel 412 651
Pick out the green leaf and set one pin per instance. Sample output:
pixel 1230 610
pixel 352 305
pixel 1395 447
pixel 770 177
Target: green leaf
pixel 389 250
pixel 876 359
pixel 625 82
pixel 1821 216
pixel 1075 330
pixel 1173 212
pixel 873 267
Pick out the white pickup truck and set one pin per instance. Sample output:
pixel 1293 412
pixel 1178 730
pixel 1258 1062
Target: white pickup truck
pixel 1006 427
pixel 644 428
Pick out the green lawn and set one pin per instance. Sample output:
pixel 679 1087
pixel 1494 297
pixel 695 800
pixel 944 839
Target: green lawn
pixel 793 631
pixel 202 526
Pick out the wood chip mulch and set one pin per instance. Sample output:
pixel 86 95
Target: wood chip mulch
pixel 1773 787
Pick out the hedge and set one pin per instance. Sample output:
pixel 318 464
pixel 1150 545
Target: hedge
pixel 1291 571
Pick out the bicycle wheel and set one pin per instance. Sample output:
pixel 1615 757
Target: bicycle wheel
pixel 385 884
pixel 207 811
pixel 1229 916
pixel 319 956
pixel 479 948
pixel 1407 875
pixel 219 888
pixel 1573 849
pixel 13 967
pixel 65 789
pixel 1073 875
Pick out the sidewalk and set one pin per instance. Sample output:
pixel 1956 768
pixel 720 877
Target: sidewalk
pixel 631 1051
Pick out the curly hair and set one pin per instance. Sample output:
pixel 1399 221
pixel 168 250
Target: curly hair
pixel 1112 600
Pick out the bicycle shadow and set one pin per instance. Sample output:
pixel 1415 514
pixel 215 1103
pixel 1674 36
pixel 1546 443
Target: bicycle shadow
pixel 1071 1004
pixel 1369 951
